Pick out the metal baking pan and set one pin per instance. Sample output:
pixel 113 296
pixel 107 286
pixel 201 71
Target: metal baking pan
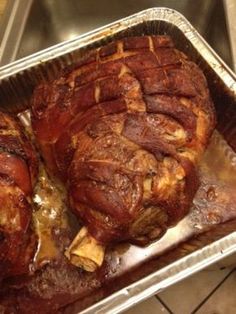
pixel 198 240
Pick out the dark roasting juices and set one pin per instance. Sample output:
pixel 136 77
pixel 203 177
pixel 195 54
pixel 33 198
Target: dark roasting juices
pixel 63 283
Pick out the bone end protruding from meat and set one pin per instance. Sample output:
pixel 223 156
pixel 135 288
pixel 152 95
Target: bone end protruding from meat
pixel 133 98
pixel 85 251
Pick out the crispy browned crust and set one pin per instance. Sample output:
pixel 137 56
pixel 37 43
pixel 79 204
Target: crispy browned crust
pixel 124 129
pixel 18 172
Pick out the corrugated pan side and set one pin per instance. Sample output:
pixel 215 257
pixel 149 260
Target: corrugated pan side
pixel 19 79
pixel 163 278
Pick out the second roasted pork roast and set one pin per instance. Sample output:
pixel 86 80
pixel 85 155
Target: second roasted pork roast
pixel 124 129
pixel 18 175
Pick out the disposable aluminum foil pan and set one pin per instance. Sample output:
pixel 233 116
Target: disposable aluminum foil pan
pixel 19 79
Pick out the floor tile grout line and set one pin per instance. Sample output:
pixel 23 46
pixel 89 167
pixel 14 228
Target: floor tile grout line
pixel 164 304
pixel 212 292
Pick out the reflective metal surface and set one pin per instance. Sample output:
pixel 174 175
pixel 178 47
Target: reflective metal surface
pixel 52 21
pixel 230 11
pixel 12 26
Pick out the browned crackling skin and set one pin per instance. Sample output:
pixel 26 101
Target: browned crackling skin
pixel 18 173
pixel 124 129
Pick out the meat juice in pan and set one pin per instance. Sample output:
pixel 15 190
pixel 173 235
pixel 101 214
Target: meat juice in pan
pixel 216 187
pixel 213 204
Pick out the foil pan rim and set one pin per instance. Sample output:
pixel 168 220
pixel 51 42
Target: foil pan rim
pixel 155 13
pixel 165 277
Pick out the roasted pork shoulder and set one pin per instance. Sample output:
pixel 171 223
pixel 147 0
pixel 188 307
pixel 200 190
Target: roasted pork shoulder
pixel 18 172
pixel 123 130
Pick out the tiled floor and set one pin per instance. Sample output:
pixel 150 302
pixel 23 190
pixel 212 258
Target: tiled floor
pixel 211 291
